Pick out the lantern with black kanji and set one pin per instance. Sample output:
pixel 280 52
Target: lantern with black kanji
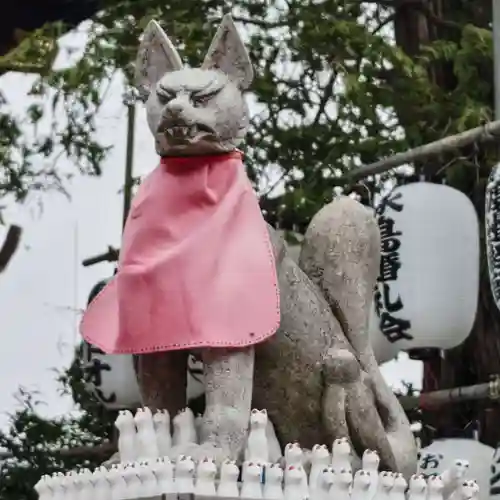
pixel 110 378
pixel 427 290
pixel 440 455
pixel 492 227
pixel 495 475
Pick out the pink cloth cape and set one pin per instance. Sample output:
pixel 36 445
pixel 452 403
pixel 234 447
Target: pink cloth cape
pixel 196 265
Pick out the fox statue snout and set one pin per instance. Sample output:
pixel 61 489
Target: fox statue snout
pixel 181 124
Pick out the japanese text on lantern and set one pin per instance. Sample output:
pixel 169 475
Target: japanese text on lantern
pixel 495 474
pixel 92 372
pixel 387 304
pixel 492 219
pixel 430 464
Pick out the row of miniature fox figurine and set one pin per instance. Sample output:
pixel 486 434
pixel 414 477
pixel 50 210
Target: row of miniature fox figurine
pixel 147 471
pixel 146 435
pixel 162 477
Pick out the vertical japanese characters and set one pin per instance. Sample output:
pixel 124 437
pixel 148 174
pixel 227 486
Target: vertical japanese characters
pixel 430 464
pixel 492 226
pixel 495 474
pixel 389 305
pixel 93 368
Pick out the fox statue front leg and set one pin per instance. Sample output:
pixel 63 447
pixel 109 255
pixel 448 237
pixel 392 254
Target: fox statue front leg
pixel 162 379
pixel 228 377
pixel 228 380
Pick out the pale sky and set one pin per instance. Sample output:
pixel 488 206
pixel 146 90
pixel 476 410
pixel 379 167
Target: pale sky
pixel 45 287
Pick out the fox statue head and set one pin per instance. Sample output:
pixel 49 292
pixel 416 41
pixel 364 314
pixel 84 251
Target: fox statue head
pixel 194 111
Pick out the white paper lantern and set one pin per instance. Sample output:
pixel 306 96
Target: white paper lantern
pixel 440 455
pixel 492 227
pixel 428 286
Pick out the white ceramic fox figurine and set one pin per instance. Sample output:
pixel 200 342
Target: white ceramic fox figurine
pixel 127 439
pixel 341 488
pixel 86 487
pixel 273 487
pixel 435 488
pixel 102 486
pixel 370 462
pixel 361 485
pixel 184 475
pixel 42 488
pixel 251 481
pixel 385 485
pixel 454 476
pixel 117 481
pixel 320 458
pixel 205 478
pixel 293 489
pixel 164 472
pixel 148 479
pixel 399 489
pixel 257 448
pixel 184 428
pixel 341 454
pixel 294 455
pixel 131 474
pixel 417 488
pixel 58 486
pixel 146 435
pixel 325 482
pixel 467 490
pixel 228 484
pixel 161 422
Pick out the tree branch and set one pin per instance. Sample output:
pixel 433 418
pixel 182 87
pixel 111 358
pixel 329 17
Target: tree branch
pixel 325 98
pixel 260 22
pixel 10 245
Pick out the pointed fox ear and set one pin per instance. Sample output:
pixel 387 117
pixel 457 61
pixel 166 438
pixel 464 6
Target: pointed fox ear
pixel 227 53
pixel 156 56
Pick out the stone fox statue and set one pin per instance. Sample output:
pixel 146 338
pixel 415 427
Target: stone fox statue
pixel 201 272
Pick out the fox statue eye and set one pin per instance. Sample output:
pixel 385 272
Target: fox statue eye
pixel 204 99
pixel 164 96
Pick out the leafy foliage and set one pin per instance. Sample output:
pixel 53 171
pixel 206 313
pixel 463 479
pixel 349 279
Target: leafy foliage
pixel 332 91
pixel 321 104
pixel 43 446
